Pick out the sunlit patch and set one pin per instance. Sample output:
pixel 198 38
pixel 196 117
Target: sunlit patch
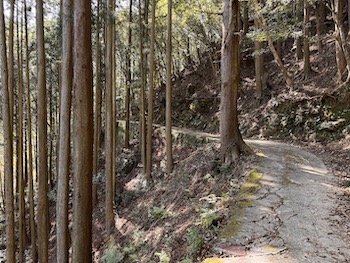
pixel 261 154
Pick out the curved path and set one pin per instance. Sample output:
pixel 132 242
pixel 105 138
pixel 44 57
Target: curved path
pixel 291 219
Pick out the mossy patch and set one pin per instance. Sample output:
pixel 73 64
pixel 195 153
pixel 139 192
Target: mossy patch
pixel 233 227
pixel 213 260
pixel 245 198
pixel 254 176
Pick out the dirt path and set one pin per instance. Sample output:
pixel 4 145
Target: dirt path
pixel 291 219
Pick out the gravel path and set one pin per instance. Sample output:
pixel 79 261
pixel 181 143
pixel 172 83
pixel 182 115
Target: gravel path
pixel 292 218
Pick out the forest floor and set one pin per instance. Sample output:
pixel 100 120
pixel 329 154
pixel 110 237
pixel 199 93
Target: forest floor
pixel 181 217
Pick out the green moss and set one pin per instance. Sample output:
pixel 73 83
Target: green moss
pixel 244 199
pixel 254 176
pixel 233 227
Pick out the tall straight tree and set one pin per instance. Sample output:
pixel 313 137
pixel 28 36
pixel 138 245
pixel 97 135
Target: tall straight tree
pixel 110 162
pixel 21 216
pixel 43 207
pixel 142 91
pixel 128 80
pixel 307 65
pixel 150 96
pixel 8 158
pixel 169 144
pixel 11 71
pixel 259 63
pixel 30 145
pixel 83 133
pixel 340 37
pixel 231 140
pixel 98 100
pixel 299 17
pixel 64 144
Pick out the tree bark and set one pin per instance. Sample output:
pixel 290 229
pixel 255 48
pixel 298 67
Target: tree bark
pixel 142 91
pixel 259 64
pixel 128 81
pixel 245 18
pixel 30 145
pixel 43 216
pixel 64 138
pixel 109 119
pixel 11 72
pixel 299 8
pixel 98 101
pixel 21 202
pixel 307 65
pixel 8 150
pixel 169 144
pixel 150 97
pixel 341 45
pixel 83 133
pixel 231 140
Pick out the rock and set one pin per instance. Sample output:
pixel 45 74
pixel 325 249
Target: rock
pixel 331 125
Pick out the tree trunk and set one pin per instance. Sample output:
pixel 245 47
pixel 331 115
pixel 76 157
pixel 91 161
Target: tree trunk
pixel 150 98
pixel 342 40
pixel 278 60
pixel 43 216
pixel 231 140
pixel 109 119
pixel 64 138
pixel 30 145
pixel 98 97
pixel 245 18
pixel 83 133
pixel 21 214
pixel 319 28
pixel 128 81
pixel 142 90
pixel 11 72
pixel 307 65
pixel 169 144
pixel 299 8
pixel 259 64
pixel 114 110
pixel 8 153
pixel 52 130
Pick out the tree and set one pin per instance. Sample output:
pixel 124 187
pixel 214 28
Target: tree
pixel 83 133
pixel 43 216
pixel 298 11
pixel 8 158
pixel 169 144
pixel 307 65
pixel 150 97
pixel 142 91
pixel 259 63
pixel 21 202
pixel 341 45
pixel 320 24
pixel 64 144
pixel 11 72
pixel 110 161
pixel 287 77
pixel 98 101
pixel 231 140
pixel 30 146
pixel 128 80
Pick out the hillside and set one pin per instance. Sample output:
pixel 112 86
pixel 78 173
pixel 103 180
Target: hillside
pixel 179 217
